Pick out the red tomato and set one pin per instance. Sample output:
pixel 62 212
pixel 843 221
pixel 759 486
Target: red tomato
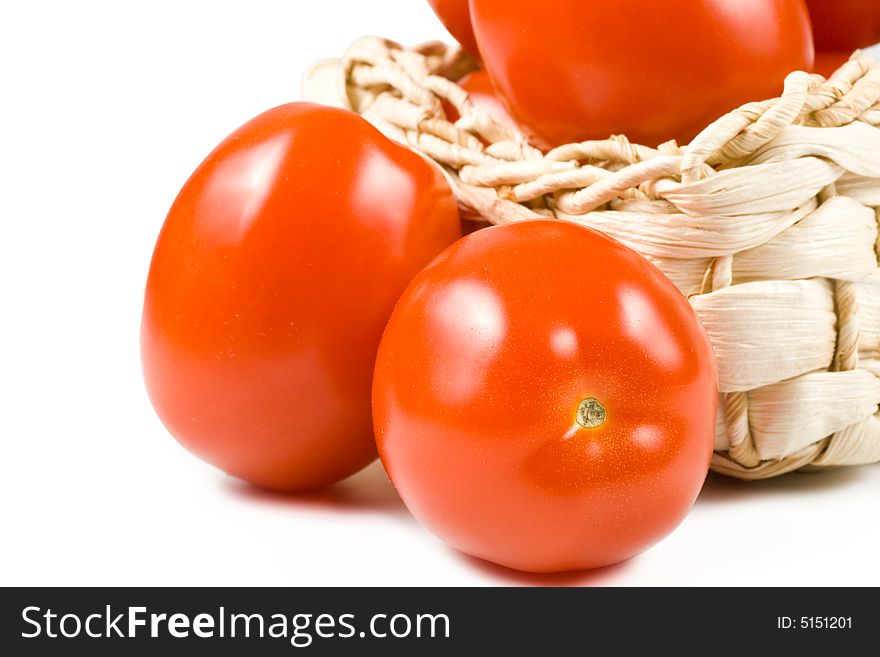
pixel 482 95
pixel 544 398
pixel 479 88
pixel 845 25
pixel 455 16
pixel 828 62
pixel 270 285
pixel 571 70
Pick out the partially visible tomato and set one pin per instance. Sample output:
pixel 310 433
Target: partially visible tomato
pixel 544 398
pixel 455 16
pixel 479 88
pixel 570 70
pixel 271 282
pixel 845 25
pixel 482 95
pixel 828 62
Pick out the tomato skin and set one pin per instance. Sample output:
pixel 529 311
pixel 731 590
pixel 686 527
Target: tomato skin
pixel 482 366
pixel 845 25
pixel 456 17
pixel 271 282
pixel 653 71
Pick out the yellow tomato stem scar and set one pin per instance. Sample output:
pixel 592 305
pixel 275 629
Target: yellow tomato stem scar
pixel 591 413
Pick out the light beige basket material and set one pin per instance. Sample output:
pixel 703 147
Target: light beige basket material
pixel 767 221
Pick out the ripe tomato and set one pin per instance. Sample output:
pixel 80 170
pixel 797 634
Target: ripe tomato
pixel 828 62
pixel 482 95
pixel 455 16
pixel 571 70
pixel 544 398
pixel 845 25
pixel 479 88
pixel 270 285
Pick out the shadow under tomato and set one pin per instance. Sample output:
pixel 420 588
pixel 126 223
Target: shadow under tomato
pixel 720 489
pixel 366 491
pixel 594 577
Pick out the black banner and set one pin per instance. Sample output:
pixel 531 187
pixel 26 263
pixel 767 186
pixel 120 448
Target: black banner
pixel 115 621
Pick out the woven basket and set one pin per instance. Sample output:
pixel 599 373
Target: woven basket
pixel 767 222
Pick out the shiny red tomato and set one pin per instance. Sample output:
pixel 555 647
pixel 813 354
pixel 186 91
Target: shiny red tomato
pixel 270 285
pixel 571 70
pixel 545 399
pixel 845 25
pixel 455 16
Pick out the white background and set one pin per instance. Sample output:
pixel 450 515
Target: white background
pixel 106 108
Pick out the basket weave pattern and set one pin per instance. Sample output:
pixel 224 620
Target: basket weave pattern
pixel 767 221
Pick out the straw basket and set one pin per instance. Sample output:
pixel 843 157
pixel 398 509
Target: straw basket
pixel 767 222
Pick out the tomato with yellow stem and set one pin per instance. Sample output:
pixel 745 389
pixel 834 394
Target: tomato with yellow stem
pixel 545 399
